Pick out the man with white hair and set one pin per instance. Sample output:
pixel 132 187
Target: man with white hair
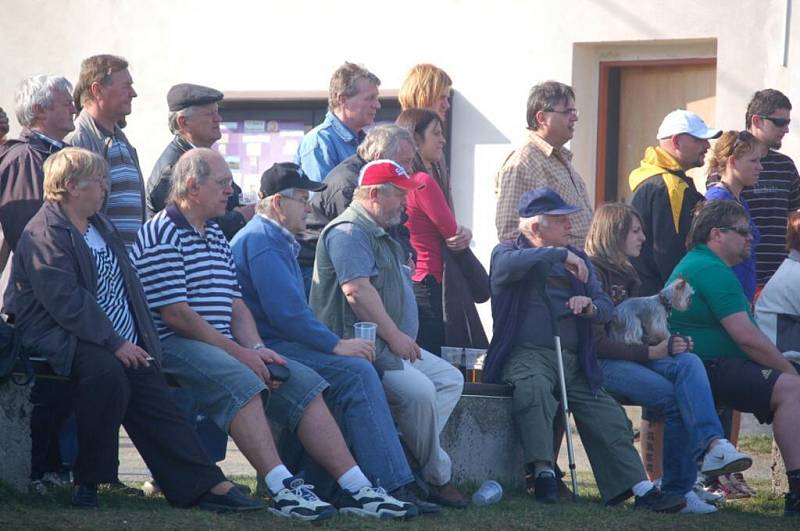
pixel 45 110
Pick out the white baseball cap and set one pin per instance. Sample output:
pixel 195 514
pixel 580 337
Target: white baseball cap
pixel 681 121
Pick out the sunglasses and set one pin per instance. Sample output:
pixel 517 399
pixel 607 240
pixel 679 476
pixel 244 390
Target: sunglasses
pixel 741 230
pixel 780 122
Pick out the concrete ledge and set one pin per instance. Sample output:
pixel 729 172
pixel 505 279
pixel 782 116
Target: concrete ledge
pixel 15 435
pixel 482 442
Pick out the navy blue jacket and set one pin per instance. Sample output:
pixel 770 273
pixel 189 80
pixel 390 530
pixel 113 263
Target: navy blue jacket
pixel 515 267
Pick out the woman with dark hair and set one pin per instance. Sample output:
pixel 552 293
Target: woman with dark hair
pixel 778 306
pixel 665 378
pixel 736 158
pixel 437 237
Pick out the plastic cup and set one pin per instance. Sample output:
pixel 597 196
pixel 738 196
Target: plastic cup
pixel 366 331
pixel 489 493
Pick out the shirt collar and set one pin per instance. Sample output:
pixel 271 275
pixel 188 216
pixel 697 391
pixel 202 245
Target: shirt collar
pixel 342 131
pixel 290 238
pixel 180 221
pixel 51 141
pixel 545 147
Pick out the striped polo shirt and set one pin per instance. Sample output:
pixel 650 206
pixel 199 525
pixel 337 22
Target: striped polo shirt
pixel 771 199
pixel 124 204
pixel 178 264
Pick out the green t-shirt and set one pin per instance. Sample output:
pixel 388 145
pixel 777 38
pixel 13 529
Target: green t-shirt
pixel 717 294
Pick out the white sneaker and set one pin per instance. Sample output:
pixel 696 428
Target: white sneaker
pixel 724 458
pixel 376 503
pixel 705 494
pixel 695 505
pixel 297 500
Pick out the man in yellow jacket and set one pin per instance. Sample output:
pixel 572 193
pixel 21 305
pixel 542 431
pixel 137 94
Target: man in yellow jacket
pixel 665 196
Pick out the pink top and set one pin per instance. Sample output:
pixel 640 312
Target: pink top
pixel 430 222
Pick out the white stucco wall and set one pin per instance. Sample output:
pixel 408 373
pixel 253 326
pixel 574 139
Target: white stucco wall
pixel 494 51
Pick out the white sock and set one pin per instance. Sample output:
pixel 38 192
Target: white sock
pixel 275 478
pixel 642 488
pixel 353 480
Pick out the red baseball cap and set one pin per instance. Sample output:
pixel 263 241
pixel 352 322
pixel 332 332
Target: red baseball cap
pixel 387 171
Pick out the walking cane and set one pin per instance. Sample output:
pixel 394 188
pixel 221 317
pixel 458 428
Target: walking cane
pixel 544 270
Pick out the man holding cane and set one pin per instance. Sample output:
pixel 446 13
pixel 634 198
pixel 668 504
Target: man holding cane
pixel 523 354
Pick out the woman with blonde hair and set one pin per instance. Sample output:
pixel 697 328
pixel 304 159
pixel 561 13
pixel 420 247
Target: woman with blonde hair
pixel 428 87
pixel 665 378
pixel 736 158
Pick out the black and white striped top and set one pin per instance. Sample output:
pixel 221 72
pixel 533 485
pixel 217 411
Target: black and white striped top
pixel 177 264
pixel 111 294
pixel 124 204
pixel 771 199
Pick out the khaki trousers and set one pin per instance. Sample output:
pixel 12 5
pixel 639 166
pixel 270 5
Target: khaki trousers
pixel 602 424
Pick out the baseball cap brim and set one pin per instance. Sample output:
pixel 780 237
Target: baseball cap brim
pixel 311 186
pixel 707 134
pixel 566 209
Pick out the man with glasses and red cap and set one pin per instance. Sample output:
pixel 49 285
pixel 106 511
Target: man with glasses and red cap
pixel 360 274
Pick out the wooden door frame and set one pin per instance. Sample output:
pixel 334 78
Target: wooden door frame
pixel 602 109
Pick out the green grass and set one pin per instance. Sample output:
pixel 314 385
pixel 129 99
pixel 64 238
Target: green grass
pixel 515 511
pixel 756 444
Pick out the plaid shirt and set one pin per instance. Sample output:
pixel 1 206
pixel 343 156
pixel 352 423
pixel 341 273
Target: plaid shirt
pixel 536 164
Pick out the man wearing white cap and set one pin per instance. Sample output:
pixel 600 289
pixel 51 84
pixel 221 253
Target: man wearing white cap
pixel 665 196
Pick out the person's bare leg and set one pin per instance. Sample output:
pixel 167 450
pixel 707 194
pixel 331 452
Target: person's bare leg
pixel 736 426
pixel 251 433
pixel 323 440
pixel 786 422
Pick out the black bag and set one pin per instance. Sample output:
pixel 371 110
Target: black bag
pixel 13 356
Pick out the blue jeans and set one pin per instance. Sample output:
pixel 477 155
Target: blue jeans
pixel 358 402
pixel 676 388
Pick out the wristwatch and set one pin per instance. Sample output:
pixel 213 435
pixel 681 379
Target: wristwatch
pixel 258 346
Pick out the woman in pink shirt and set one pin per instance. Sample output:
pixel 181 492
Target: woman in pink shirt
pixel 432 226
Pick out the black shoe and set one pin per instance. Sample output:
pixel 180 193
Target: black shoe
pixel 791 505
pixel 658 502
pixel 119 487
pixel 424 507
pixel 231 501
pixel 85 496
pixel 546 488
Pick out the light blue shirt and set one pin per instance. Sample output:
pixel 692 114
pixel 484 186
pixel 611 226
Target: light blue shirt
pixel 325 146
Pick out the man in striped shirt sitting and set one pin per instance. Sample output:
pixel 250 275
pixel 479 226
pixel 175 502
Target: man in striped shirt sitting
pixel 212 348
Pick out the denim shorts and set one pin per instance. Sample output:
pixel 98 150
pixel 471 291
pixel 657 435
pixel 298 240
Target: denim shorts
pixel 221 385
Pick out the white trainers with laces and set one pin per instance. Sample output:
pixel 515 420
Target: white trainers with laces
pixel 695 505
pixel 724 458
pixel 705 494
pixel 297 500
pixel 376 503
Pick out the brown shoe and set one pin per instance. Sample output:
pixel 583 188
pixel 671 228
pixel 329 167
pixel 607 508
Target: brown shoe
pixel 447 495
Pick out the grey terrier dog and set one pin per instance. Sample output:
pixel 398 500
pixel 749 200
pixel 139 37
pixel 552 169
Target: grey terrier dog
pixel 643 320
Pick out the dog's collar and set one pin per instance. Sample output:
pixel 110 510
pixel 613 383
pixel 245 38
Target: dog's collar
pixel 664 300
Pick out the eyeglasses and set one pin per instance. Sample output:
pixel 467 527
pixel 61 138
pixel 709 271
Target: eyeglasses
pixel 567 112
pixel 224 183
pixel 780 122
pixel 742 137
pixel 741 230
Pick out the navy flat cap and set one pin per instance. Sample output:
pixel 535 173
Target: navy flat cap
pixel 186 95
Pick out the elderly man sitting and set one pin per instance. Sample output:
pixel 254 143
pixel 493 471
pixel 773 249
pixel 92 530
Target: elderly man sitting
pixel 265 253
pixel 80 302
pixel 523 354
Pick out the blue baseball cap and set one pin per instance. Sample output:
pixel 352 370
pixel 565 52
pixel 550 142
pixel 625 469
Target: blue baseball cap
pixel 543 201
